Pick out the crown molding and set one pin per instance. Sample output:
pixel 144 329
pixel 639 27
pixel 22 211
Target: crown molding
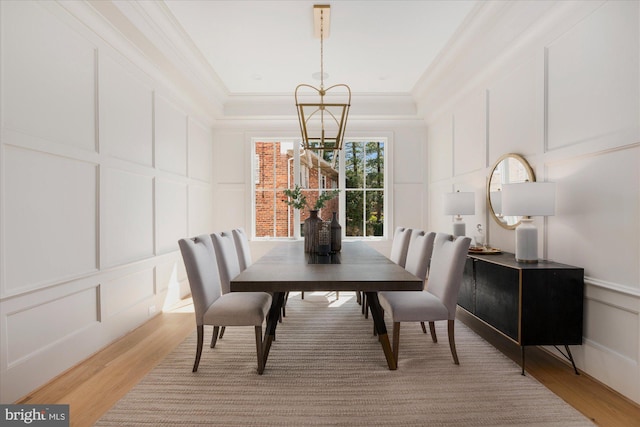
pixel 278 105
pixel 152 30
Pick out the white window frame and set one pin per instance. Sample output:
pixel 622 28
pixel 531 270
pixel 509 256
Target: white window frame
pixel 341 185
pixel 386 189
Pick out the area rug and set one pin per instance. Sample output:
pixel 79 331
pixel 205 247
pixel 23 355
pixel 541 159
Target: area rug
pixel 327 369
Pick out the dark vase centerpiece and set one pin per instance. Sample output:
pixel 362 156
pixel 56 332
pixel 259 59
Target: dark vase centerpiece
pixel 312 225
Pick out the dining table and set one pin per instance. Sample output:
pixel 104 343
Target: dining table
pixel 357 267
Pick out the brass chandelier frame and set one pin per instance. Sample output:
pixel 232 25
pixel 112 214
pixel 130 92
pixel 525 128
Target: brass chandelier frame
pixel 310 112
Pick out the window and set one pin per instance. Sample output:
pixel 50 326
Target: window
pixel 364 188
pixel 281 164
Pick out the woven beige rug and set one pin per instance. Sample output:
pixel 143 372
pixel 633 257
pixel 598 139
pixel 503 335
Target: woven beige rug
pixel 326 368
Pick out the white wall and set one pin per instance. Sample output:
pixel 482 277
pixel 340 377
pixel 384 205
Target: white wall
pixel 103 170
pixel 566 96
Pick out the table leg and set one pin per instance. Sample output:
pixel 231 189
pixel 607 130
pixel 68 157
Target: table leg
pixel 272 323
pixel 381 329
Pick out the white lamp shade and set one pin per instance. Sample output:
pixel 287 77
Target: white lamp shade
pixel 529 199
pixel 459 203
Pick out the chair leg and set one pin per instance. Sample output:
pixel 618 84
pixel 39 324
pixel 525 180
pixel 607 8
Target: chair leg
pixel 337 295
pixel 302 295
pixel 432 328
pixel 199 347
pixel 452 342
pixel 214 338
pixel 424 329
pixel 396 339
pixel 358 297
pixel 259 349
pixel 222 329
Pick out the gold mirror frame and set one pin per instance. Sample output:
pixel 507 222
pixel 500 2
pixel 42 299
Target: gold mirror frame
pixel 508 169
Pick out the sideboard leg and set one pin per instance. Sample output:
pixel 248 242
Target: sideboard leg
pixel 573 363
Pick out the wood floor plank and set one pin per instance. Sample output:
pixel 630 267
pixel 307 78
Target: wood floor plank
pixel 93 386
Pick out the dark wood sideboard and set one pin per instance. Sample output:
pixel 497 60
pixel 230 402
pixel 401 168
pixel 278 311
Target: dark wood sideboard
pixel 529 303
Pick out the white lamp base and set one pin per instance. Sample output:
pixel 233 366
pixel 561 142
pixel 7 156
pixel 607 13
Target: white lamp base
pixel 459 227
pixel 526 241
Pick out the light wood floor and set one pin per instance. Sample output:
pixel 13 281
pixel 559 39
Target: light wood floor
pixel 94 385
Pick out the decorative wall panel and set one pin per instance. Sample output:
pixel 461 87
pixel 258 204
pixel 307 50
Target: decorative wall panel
pixel 229 209
pixel 170 137
pixel 517 127
pixel 200 209
pixel 126 217
pixel 598 206
pixel 125 113
pixel 408 195
pixel 440 142
pixel 200 152
pixel 32 330
pixel 229 145
pixel 604 333
pixel 593 80
pixel 50 218
pixel 48 83
pixel 469 134
pixel 171 214
pixel 125 292
pixel 409 157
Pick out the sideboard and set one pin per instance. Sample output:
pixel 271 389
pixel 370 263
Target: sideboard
pixel 529 303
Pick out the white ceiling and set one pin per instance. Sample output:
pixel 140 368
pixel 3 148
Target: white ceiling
pixel 267 47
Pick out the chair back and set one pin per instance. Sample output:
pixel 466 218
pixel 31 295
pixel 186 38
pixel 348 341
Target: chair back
pixel 227 257
pixel 447 267
pixel 419 253
pixel 400 245
pixel 202 271
pixel 242 247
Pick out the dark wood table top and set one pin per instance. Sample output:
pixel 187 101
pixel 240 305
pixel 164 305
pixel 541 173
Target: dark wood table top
pixel 358 267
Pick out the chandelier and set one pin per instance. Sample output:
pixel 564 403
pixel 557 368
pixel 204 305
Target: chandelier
pixel 322 123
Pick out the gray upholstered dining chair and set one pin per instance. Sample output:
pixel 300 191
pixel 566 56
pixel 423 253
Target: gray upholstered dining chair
pixel 418 256
pixel 228 261
pixel 211 306
pixel 399 248
pixel 400 245
pixel 241 242
pixel 438 301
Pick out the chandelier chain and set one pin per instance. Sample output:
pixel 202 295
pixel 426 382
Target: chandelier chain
pixel 321 49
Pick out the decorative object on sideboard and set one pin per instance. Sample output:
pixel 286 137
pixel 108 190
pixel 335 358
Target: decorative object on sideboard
pixel 528 199
pixel 322 123
pixel 459 204
pixel 510 168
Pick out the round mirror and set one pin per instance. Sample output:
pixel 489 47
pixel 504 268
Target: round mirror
pixel 508 169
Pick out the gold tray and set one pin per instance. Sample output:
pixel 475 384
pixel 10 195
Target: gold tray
pixel 484 251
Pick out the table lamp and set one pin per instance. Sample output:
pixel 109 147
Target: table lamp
pixel 528 199
pixel 459 204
